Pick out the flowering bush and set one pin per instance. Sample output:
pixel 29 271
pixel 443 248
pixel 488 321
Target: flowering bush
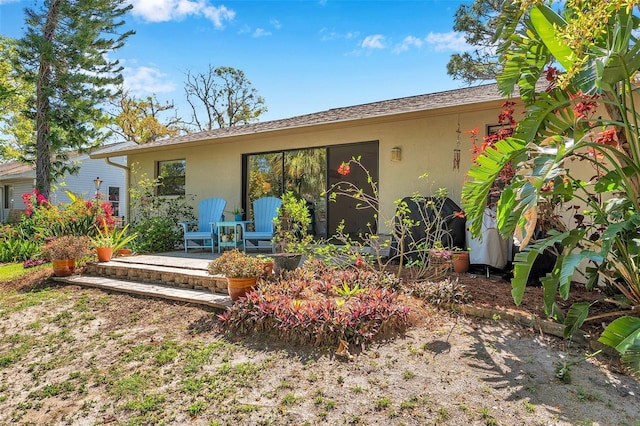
pixel 66 247
pixel 236 264
pixel 79 217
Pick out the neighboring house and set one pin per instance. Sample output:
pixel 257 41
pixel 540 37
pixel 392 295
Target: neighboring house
pixel 398 141
pixel 17 179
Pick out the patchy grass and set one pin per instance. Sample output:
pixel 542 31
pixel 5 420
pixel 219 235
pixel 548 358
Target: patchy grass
pixel 12 271
pixel 82 356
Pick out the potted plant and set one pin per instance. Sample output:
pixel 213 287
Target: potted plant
pixel 240 269
pixel 64 251
pixel 110 239
pixel 237 214
pixel 460 260
pixel 267 264
pixel 291 238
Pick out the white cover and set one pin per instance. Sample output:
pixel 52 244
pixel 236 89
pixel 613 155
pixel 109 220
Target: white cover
pixel 492 250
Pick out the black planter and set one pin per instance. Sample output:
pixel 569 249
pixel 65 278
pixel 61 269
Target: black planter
pixel 285 261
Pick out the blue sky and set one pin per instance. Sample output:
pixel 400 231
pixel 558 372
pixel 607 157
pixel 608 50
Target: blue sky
pixel 301 56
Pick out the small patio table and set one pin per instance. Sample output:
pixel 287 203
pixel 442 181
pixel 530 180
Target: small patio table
pixel 230 234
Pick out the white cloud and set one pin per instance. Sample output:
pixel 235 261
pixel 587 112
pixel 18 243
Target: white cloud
pixel 143 81
pixel 259 32
pixel 328 35
pixel 170 10
pixel 407 43
pixel 451 41
pixel 276 24
pixel 373 42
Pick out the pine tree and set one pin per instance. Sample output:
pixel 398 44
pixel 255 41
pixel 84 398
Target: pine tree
pixel 65 54
pixel 479 22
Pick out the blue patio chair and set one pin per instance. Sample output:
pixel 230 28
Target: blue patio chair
pixel 209 212
pixel 264 211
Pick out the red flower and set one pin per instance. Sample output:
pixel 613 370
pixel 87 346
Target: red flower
pixel 586 104
pixel 344 169
pixel 551 74
pixel 608 137
pixel 359 261
pixel 506 116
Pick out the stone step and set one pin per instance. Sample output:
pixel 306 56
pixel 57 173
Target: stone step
pixel 188 274
pixel 201 297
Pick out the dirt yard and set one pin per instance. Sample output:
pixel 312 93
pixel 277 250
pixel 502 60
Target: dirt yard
pixel 71 355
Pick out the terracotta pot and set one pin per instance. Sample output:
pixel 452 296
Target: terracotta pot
pixel 63 267
pixel 239 287
pixel 104 253
pixel 461 261
pixel 123 252
pixel 267 268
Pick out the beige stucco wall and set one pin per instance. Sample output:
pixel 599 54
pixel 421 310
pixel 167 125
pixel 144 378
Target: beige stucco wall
pixel 427 140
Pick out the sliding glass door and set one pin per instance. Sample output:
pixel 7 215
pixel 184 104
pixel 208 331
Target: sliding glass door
pixel 308 172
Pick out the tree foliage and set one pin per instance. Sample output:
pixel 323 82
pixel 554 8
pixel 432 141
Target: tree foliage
pixel 594 44
pixel 144 120
pixel 222 97
pixel 65 54
pixel 15 93
pixel 479 21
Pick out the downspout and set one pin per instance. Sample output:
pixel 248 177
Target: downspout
pixel 127 175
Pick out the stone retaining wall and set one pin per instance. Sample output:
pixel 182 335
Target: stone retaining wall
pixel 188 279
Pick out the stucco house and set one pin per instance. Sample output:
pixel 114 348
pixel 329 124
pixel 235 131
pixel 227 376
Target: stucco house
pixel 398 140
pixel 19 178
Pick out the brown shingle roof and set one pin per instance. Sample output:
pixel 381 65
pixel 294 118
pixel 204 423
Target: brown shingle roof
pixel 451 98
pixel 14 168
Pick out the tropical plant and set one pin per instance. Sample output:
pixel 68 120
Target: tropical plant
pixel 44 219
pixel 236 264
pixel 14 248
pixel 595 45
pixel 307 307
pixel 110 236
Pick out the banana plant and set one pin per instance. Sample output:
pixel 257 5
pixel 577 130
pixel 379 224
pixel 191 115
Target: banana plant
pixel 561 127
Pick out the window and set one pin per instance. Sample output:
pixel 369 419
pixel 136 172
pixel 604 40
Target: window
pixel 114 199
pixel 8 197
pixel 173 176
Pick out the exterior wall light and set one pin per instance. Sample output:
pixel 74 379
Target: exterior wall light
pixel 97 181
pixel 396 154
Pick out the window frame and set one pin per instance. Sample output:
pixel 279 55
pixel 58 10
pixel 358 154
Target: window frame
pixel 181 180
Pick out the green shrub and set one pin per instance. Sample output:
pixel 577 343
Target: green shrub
pixel 155 218
pixel 13 248
pixel 155 235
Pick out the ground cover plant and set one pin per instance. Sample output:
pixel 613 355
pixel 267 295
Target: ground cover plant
pixel 321 305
